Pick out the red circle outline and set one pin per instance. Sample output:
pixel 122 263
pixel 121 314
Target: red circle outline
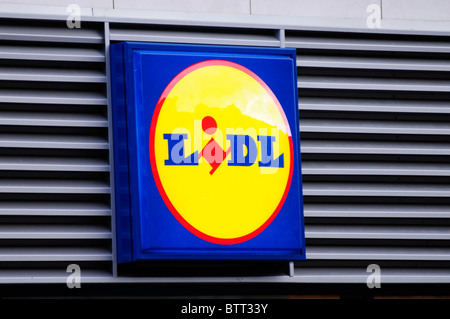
pixel 173 210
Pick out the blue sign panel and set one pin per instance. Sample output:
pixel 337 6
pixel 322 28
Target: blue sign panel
pixel 206 152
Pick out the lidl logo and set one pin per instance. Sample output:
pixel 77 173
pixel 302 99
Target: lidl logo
pixel 206 150
pixel 221 151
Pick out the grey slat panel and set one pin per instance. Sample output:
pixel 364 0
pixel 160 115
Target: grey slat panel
pixel 302 275
pixel 43 186
pixel 375 189
pixel 52 141
pixel 324 43
pixel 377 253
pixel 70 254
pixel 53 75
pixel 50 34
pixel 59 275
pixel 374 127
pixel 374 147
pixel 53 164
pixel 372 84
pixel 51 54
pixel 30 231
pixel 387 241
pixel 360 275
pixel 52 97
pixel 192 37
pixel 377 232
pixel 375 168
pixel 372 63
pixel 376 211
pixel 369 105
pixel 52 119
pixel 54 209
pixel 59 218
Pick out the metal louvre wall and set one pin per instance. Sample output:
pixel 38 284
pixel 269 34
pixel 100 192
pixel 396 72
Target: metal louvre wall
pixel 194 34
pixel 374 114
pixel 374 123
pixel 54 152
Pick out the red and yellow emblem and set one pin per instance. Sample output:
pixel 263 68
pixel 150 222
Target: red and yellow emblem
pixel 221 151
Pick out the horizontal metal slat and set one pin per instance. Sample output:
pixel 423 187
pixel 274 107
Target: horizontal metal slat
pixel 52 119
pixel 372 63
pixel 54 209
pixel 50 34
pixel 192 37
pixel 51 75
pixel 52 97
pixel 377 232
pixel 375 168
pixel 359 275
pixel 54 254
pixel 51 54
pixel 377 253
pixel 370 105
pixel 324 43
pixel 374 147
pixel 36 275
pixel 375 189
pixel 52 141
pixel 31 231
pixel 374 127
pixel 53 186
pixel 372 84
pixel 301 275
pixel 376 211
pixel 52 164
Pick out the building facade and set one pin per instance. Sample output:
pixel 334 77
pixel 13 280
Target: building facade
pixel 374 104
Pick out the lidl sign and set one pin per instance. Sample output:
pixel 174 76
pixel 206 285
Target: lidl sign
pixel 206 152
